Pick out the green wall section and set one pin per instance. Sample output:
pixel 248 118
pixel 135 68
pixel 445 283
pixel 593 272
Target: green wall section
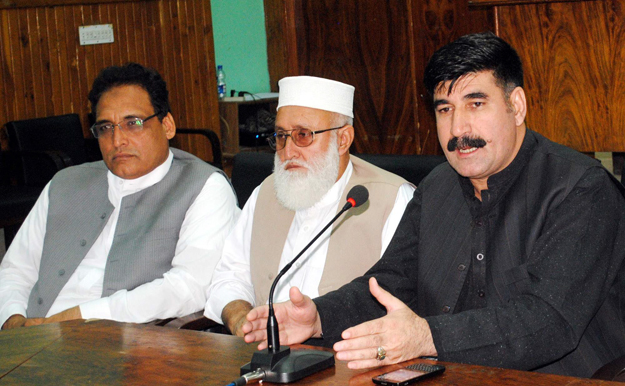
pixel 241 44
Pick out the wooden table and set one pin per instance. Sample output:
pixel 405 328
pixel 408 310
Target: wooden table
pixel 110 353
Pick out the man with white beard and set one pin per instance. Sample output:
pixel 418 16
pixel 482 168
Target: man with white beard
pixel 313 171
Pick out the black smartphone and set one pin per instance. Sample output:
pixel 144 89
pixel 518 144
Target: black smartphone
pixel 408 374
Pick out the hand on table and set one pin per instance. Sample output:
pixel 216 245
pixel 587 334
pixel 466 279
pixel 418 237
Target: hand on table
pixel 18 320
pixel 14 321
pixel 69 314
pixel 402 333
pixel 298 320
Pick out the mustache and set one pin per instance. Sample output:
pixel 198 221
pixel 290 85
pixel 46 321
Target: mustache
pixel 465 142
pixel 284 164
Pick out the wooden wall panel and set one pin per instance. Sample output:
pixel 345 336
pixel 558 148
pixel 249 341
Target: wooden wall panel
pixel 44 71
pixel 280 19
pixel 364 44
pixel 436 23
pixel 50 3
pixel 574 58
pixel 512 2
pixel 380 47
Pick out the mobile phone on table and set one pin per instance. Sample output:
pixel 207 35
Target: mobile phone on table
pixel 408 374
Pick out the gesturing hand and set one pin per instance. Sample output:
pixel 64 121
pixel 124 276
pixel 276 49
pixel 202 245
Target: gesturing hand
pixel 402 333
pixel 298 320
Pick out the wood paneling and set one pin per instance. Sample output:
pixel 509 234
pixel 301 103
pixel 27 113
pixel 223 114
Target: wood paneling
pixel 380 47
pixel 574 59
pixel 50 3
pixel 281 40
pixel 513 2
pixel 44 71
pixel 364 44
pixel 436 23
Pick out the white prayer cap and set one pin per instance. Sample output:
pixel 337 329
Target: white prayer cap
pixel 318 93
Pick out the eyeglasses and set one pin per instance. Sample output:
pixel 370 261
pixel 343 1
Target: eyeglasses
pixel 129 126
pixel 300 137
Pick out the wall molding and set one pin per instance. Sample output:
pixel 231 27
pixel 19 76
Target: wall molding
pixel 479 3
pixel 8 4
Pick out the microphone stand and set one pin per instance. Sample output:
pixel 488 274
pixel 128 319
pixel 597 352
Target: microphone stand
pixel 278 362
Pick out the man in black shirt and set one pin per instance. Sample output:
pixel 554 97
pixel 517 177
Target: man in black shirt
pixel 509 255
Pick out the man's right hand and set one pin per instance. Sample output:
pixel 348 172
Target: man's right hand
pixel 298 320
pixel 14 321
pixel 233 316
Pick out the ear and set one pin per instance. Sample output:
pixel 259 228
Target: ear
pixel 345 138
pixel 169 125
pixel 519 105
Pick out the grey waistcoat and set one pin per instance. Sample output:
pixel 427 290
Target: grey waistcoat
pixel 145 237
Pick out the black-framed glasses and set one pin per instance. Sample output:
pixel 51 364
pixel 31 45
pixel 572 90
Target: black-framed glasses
pixel 300 137
pixel 130 126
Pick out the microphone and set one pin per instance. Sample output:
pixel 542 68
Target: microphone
pixel 357 196
pixel 277 362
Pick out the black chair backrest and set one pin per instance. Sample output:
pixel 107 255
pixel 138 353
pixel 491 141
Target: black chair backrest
pixel 413 168
pixel 251 168
pixel 62 134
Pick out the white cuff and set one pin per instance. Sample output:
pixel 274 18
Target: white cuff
pixel 96 309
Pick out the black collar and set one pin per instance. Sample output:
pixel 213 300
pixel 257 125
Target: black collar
pixel 499 183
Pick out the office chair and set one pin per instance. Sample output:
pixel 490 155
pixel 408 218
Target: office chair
pixel 60 137
pixel 212 138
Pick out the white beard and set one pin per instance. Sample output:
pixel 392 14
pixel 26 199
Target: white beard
pixel 297 190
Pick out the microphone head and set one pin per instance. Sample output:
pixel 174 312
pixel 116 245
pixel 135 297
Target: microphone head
pixel 357 196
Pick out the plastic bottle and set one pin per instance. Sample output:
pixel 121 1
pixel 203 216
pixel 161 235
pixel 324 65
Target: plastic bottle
pixel 221 82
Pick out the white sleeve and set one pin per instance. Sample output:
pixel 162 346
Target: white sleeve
pixel 182 289
pixel 232 279
pixel 404 195
pixel 19 270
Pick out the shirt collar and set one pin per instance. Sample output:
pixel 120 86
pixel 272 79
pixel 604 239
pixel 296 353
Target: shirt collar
pixel 120 187
pixel 499 183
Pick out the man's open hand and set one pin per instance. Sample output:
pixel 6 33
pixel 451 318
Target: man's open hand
pixel 402 333
pixel 298 320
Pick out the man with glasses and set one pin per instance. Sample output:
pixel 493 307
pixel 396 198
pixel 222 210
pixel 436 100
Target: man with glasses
pixel 313 171
pixel 133 238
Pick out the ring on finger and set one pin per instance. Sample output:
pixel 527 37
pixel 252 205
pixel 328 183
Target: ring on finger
pixel 381 353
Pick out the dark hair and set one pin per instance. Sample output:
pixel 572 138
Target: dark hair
pixel 472 54
pixel 132 74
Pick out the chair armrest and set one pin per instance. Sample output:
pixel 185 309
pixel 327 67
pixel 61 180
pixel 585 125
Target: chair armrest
pixel 59 155
pixel 613 371
pixel 212 138
pixel 47 162
pixel 57 159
